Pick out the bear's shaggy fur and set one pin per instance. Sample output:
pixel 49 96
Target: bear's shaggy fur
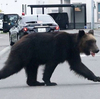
pixel 50 49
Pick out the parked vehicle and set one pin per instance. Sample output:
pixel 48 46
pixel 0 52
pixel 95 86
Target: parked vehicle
pixel 61 19
pixel 1 21
pixel 32 24
pixel 9 20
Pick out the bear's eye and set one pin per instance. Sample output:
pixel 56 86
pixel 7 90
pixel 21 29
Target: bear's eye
pixel 90 42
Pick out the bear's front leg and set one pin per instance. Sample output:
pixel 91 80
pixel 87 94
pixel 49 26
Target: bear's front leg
pixel 31 72
pixel 96 79
pixel 89 74
pixel 49 69
pixel 82 70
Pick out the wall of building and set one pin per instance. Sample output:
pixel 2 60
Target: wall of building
pixel 88 11
pixel 88 8
pixel 15 6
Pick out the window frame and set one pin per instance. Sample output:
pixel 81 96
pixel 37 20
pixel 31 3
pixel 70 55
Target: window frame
pixel 98 13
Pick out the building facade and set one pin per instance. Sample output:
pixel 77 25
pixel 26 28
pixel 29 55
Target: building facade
pixel 15 6
pixel 89 12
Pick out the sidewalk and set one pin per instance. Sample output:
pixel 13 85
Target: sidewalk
pixel 76 30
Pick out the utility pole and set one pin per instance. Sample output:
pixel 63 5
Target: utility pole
pixel 61 1
pixel 60 8
pixel 92 14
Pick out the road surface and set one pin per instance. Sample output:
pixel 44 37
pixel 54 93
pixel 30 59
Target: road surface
pixel 70 85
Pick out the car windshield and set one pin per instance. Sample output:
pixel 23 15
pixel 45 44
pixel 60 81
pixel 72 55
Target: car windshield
pixel 10 17
pixel 37 18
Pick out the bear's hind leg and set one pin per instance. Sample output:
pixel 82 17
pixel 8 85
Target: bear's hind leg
pixel 31 72
pixel 49 69
pixel 9 69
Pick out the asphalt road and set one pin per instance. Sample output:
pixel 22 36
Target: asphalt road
pixel 4 41
pixel 70 85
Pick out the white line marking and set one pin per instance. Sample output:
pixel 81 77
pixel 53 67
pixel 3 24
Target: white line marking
pixel 4 51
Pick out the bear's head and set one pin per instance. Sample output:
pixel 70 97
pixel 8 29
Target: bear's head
pixel 87 43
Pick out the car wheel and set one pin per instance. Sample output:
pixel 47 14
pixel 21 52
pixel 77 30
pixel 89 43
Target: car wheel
pixel 66 26
pixel 18 37
pixel 10 40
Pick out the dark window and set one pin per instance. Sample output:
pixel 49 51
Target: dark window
pixel 98 11
pixel 1 16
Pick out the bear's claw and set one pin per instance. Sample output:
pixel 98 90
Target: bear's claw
pixel 50 84
pixel 97 79
pixel 36 83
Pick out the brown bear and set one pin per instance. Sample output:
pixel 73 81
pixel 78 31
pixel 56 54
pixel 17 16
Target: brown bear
pixel 50 49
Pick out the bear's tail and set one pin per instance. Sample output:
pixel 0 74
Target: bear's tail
pixel 11 67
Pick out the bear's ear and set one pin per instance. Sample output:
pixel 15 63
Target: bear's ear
pixel 91 32
pixel 81 33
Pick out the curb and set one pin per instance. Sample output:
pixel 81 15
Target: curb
pixel 5 50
